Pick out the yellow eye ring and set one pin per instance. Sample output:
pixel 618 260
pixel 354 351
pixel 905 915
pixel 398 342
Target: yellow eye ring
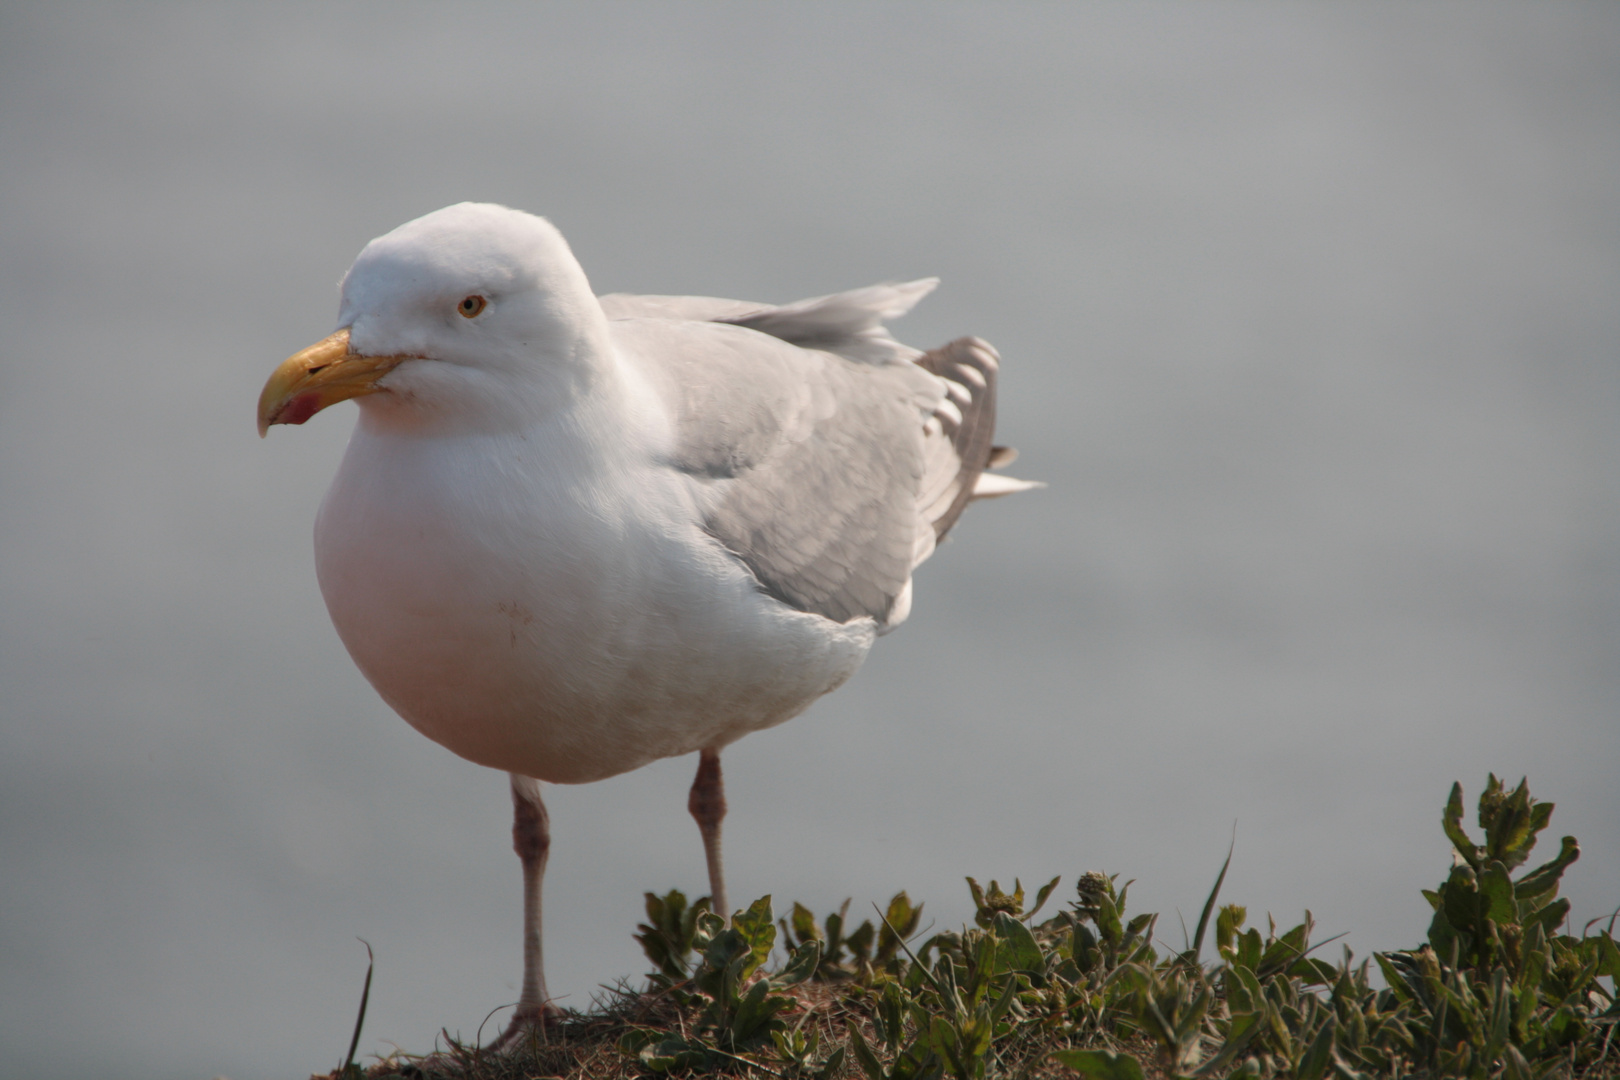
pixel 470 307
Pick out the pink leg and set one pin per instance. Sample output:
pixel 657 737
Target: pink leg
pixel 531 839
pixel 708 806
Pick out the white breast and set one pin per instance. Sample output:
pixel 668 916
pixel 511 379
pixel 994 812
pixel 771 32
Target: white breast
pixel 537 608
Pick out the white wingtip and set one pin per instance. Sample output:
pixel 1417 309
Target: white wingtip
pixel 904 295
pixel 992 486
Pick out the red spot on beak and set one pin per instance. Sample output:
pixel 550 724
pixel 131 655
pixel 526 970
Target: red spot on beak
pixel 300 408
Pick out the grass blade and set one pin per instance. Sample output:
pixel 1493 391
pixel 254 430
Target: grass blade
pixel 359 1021
pixel 1209 905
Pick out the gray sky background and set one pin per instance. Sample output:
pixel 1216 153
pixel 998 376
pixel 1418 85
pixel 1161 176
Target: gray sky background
pixel 1309 317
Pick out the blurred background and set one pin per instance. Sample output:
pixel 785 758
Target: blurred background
pixel 1309 319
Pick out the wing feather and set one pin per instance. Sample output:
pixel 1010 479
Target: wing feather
pixel 809 461
pixel 832 458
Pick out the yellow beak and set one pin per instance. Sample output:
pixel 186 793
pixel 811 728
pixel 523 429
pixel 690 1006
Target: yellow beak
pixel 323 374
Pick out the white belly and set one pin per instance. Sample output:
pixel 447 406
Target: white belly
pixel 565 626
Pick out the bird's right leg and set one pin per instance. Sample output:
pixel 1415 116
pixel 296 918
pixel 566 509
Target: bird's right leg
pixel 707 804
pixel 531 839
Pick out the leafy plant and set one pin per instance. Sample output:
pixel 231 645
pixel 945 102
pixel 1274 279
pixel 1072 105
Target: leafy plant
pixel 853 956
pixel 735 1014
pixel 1497 987
pixel 1499 991
pixel 669 934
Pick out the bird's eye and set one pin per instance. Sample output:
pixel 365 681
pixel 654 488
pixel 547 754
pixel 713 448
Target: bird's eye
pixel 472 306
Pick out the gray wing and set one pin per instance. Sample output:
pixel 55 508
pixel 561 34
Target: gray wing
pixel 836 455
pixel 696 308
pixel 965 420
pixel 811 463
pixel 847 323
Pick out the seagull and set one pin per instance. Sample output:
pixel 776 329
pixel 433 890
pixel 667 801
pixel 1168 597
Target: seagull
pixel 573 534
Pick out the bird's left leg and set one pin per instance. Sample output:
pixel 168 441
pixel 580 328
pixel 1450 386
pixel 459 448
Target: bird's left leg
pixel 707 804
pixel 531 839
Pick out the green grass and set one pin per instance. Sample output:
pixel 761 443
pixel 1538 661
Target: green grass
pixel 1500 989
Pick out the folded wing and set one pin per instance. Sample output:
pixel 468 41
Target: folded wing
pixel 832 457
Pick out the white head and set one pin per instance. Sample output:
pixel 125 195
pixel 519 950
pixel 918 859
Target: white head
pixel 474 314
